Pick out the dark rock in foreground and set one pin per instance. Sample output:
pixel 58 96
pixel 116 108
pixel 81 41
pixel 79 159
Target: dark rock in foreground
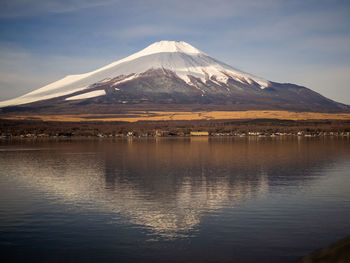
pixel 336 253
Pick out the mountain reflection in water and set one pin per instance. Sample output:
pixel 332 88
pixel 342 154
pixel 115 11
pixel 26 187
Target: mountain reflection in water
pixel 172 199
pixel 167 185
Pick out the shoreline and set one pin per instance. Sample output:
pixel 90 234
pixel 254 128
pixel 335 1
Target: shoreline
pixel 196 128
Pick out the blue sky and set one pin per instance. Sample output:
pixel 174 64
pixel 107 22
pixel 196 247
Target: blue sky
pixel 303 42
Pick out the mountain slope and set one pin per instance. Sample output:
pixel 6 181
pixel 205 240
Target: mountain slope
pixel 170 72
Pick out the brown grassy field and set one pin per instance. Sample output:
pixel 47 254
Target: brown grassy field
pixel 134 116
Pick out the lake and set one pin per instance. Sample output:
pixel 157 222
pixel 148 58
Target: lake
pixel 172 199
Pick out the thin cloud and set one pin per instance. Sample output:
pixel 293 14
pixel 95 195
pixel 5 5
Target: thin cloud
pixel 142 31
pixel 24 8
pixel 22 71
pixel 205 9
pixel 293 26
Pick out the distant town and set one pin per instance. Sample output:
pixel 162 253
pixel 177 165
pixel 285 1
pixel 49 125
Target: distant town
pixel 10 129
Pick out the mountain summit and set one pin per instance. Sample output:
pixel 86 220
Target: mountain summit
pixel 173 72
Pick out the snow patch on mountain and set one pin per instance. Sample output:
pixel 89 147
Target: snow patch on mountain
pixel 36 96
pixel 87 95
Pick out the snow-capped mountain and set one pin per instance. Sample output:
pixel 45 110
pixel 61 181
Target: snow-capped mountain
pixel 174 72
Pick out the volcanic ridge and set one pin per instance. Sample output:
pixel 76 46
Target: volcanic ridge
pixel 170 75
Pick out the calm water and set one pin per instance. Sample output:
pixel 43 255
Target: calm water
pixel 173 200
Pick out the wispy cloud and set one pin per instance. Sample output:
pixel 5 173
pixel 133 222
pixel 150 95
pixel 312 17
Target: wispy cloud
pixel 22 71
pixel 20 8
pixel 294 26
pixel 209 9
pixel 175 9
pixel 150 30
pixel 332 82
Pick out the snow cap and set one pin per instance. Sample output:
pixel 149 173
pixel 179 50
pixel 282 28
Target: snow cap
pixel 169 46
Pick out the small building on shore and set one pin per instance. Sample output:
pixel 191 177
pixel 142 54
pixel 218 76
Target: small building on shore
pixel 199 133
